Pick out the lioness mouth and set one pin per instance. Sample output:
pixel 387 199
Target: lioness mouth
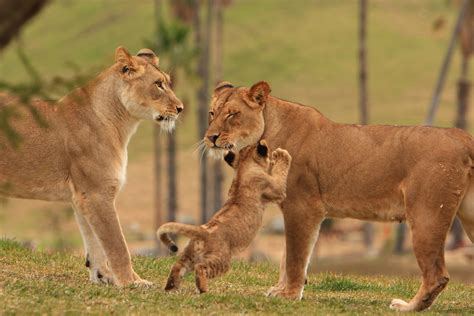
pixel 160 118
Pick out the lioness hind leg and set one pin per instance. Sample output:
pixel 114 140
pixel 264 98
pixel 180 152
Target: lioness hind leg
pixel 466 215
pixel 96 261
pixel 429 230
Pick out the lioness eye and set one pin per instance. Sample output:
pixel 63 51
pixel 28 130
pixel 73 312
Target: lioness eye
pixel 159 83
pixel 211 114
pixel 231 114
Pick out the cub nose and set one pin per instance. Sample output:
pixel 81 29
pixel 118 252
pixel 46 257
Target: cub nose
pixel 213 138
pixel 179 108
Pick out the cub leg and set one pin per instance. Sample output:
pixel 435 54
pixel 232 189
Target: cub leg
pixel 210 269
pixel 201 278
pixel 275 189
pixel 96 261
pixel 174 279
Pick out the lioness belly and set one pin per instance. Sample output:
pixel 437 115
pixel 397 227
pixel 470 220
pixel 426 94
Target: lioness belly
pixel 383 210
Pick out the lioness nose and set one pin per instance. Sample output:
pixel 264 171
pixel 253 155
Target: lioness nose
pixel 213 138
pixel 179 108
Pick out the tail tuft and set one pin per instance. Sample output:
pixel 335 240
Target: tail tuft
pixel 173 248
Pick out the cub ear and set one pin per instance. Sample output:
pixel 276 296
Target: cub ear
pixel 259 92
pixel 123 57
pixel 262 148
pixel 230 158
pixel 222 86
pixel 149 56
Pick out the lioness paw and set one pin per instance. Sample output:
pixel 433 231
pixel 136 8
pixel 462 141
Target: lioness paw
pixel 142 284
pixel 400 305
pixel 280 291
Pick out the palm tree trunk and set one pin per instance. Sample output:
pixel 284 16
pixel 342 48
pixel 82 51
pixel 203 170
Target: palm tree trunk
pixel 202 42
pixel 368 230
pixel 157 160
pixel 219 75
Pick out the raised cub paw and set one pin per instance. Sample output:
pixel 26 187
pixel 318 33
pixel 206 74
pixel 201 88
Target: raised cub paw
pixel 281 156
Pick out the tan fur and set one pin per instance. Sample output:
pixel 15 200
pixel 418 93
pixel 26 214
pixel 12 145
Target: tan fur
pixel 385 173
pixel 81 157
pixel 258 180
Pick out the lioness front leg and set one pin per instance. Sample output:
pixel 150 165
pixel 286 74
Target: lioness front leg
pixel 96 260
pixel 302 223
pixel 99 212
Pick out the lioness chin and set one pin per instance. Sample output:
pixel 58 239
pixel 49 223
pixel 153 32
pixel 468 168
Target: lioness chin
pixel 81 157
pixel 416 174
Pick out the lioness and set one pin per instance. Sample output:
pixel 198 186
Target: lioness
pixel 82 156
pixel 384 173
pixel 258 180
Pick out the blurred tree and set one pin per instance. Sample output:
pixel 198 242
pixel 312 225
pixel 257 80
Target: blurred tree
pixel 173 46
pixel 368 229
pixel 218 175
pixel 202 38
pixel 14 15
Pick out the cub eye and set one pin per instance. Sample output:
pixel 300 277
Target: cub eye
pixel 211 114
pixel 159 83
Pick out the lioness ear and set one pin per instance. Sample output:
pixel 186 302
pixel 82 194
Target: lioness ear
pixel 123 56
pixel 259 92
pixel 262 148
pixel 223 85
pixel 149 56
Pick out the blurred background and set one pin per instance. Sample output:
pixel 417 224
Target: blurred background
pixel 357 61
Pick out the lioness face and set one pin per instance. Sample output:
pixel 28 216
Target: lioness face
pixel 146 92
pixel 235 117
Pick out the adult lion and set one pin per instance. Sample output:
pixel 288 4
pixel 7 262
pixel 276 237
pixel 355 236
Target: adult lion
pixel 385 173
pixel 81 157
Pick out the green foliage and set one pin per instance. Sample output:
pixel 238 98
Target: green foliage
pixel 45 283
pixel 37 86
pixel 10 245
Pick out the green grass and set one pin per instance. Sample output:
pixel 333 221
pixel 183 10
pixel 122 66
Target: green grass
pixel 56 283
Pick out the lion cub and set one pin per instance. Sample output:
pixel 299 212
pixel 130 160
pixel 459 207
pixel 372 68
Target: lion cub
pixel 259 178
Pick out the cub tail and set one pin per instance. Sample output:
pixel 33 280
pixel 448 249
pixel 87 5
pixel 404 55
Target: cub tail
pixel 190 231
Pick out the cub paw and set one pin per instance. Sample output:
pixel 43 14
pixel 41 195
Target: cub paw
pixel 281 155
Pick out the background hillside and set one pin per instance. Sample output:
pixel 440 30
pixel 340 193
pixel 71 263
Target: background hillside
pixel 306 50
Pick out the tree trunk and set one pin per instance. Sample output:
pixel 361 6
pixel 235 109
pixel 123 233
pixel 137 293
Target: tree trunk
pixel 158 196
pixel 14 14
pixel 202 97
pixel 368 230
pixel 219 75
pixel 172 170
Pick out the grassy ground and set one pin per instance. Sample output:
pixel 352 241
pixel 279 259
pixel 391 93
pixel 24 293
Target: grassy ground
pixel 40 282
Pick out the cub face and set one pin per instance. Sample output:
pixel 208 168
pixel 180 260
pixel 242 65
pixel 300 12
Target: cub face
pixel 146 90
